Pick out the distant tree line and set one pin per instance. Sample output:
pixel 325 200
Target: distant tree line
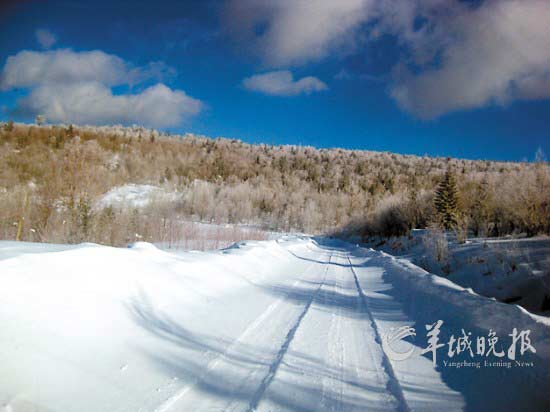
pixel 53 176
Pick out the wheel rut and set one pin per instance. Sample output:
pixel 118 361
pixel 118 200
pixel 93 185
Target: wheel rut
pixel 394 386
pixel 256 398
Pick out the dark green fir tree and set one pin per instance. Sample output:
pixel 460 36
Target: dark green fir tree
pixel 446 201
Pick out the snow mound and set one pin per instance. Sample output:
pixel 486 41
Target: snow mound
pixel 134 196
pixel 143 246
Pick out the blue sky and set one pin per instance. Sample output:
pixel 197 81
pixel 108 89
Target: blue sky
pixel 356 73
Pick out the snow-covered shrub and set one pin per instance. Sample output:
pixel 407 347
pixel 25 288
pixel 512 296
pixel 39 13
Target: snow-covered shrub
pixel 437 246
pixel 461 229
pixel 391 218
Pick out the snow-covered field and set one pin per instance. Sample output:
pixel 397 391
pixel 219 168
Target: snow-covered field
pixel 293 324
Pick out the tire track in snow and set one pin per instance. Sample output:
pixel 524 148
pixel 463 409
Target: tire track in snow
pixel 341 374
pixel 256 398
pixel 394 386
pixel 261 319
pixel 173 401
pixel 336 357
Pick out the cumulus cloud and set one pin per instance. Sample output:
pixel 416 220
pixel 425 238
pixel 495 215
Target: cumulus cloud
pixel 455 55
pixel 496 53
pixel 94 103
pixel 45 38
pixel 282 83
pixel 290 32
pixel 30 68
pixel 76 87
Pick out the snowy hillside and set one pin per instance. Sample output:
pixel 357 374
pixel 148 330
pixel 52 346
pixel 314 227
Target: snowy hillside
pixel 134 196
pixel 294 324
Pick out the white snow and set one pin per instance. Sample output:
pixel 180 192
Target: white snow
pixel 293 324
pixel 198 235
pixel 134 196
pixel 513 270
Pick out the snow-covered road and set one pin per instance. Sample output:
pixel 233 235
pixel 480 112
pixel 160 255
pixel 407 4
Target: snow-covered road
pixel 297 324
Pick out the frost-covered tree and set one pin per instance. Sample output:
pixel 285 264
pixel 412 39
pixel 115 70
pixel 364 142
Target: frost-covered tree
pixel 277 187
pixel 446 201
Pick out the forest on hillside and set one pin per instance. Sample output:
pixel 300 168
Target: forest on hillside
pixel 53 178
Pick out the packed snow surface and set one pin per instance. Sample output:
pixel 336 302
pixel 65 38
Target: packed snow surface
pixel 293 324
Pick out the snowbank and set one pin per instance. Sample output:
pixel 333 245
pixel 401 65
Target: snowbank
pixel 510 270
pixel 74 319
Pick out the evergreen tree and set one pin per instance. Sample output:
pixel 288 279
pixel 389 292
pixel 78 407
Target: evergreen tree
pixel 446 201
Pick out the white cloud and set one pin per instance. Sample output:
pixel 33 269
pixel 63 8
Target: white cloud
pixel 298 31
pixel 75 87
pixel 282 83
pixel 30 68
pixel 94 103
pixel 45 38
pixel 464 55
pixel 496 53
